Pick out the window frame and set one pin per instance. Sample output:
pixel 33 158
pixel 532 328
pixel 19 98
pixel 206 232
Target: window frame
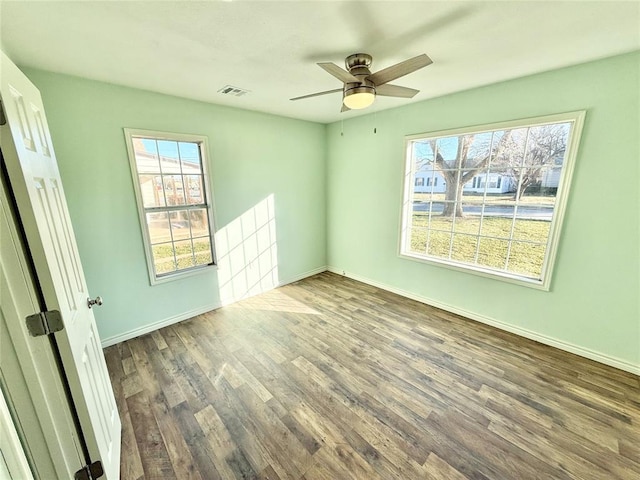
pixel 203 147
pixel 553 239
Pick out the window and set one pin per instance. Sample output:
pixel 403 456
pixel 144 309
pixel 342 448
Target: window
pixel 419 182
pixel 500 208
pixel 174 202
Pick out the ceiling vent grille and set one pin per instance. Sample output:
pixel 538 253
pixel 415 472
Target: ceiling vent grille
pixel 233 91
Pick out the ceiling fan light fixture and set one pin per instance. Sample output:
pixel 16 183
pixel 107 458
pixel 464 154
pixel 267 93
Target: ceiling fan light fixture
pixel 359 97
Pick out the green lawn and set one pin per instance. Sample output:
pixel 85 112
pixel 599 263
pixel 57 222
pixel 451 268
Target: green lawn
pixel 467 240
pixel 163 255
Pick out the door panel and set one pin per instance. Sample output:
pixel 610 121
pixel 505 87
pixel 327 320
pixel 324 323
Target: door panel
pixel 35 179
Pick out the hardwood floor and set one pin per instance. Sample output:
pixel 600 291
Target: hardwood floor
pixel 332 379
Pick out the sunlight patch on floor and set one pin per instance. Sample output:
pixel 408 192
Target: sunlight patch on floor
pixel 275 300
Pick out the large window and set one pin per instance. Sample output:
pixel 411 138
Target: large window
pixel 174 202
pixel 494 197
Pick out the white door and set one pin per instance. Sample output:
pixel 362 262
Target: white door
pixel 35 180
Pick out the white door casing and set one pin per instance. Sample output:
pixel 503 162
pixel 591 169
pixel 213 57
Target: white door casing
pixel 35 180
pixel 13 462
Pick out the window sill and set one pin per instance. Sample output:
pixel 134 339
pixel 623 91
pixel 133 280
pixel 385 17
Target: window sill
pixel 543 284
pixel 153 280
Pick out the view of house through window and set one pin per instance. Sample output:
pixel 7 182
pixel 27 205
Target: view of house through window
pixel 173 201
pixel 489 198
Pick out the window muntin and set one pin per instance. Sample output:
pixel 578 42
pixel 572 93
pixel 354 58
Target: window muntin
pixel 170 179
pixel 494 197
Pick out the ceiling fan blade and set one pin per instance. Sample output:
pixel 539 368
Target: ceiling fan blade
pixel 338 72
pixel 388 90
pixel 317 94
pixel 399 69
pixel 344 108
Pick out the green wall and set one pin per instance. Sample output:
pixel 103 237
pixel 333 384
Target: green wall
pixel 593 303
pixel 252 156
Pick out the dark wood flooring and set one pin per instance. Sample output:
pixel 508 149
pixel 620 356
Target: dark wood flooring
pixel 328 378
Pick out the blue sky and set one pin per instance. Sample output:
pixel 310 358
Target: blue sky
pixel 188 151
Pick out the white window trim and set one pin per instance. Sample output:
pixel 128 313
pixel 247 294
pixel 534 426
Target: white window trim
pixel 204 152
pixel 577 117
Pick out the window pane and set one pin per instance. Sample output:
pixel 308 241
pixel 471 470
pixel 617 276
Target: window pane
pixel 533 229
pixel 169 161
pixel 151 190
pixel 419 233
pixel 438 222
pixel 545 189
pixel 526 259
pixel 184 254
pixel 477 148
pixel 447 150
pixel 421 201
pixel 190 157
pixel 202 249
pixel 464 248
pixel 163 259
pixel 473 191
pixel 439 243
pixel 193 185
pixel 447 209
pixel 470 223
pixel 180 224
pixel 146 155
pixel 492 253
pixel 509 147
pixel 497 221
pixel 174 189
pixel 158 224
pixel 199 222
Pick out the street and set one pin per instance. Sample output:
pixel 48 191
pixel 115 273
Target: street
pixel 525 212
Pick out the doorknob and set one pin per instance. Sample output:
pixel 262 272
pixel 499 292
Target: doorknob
pixel 91 302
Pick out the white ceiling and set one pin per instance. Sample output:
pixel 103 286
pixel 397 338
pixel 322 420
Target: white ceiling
pixel 192 49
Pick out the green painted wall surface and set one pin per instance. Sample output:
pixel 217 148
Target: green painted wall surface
pixel 252 156
pixel 594 297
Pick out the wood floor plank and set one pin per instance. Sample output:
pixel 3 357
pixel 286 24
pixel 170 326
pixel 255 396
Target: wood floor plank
pixel 328 378
pixel 154 457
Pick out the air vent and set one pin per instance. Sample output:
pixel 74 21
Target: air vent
pixel 233 91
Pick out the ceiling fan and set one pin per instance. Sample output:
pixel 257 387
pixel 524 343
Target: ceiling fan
pixel 361 86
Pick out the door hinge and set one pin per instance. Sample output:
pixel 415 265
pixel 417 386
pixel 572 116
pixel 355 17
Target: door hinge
pixel 44 323
pixel 89 472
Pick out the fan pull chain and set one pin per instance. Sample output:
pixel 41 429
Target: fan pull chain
pixel 375 121
pixel 342 127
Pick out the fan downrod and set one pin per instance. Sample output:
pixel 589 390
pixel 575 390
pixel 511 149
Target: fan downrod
pixel 358 60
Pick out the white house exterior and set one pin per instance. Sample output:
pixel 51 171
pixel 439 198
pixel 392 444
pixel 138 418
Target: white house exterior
pixel 551 177
pixel 431 181
pixel 428 180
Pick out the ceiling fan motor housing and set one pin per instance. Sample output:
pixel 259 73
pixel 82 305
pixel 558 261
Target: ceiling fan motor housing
pixel 365 86
pixel 358 60
pixel 358 65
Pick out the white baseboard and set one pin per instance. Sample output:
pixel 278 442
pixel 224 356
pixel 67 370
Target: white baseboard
pixel 150 327
pixel 523 332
